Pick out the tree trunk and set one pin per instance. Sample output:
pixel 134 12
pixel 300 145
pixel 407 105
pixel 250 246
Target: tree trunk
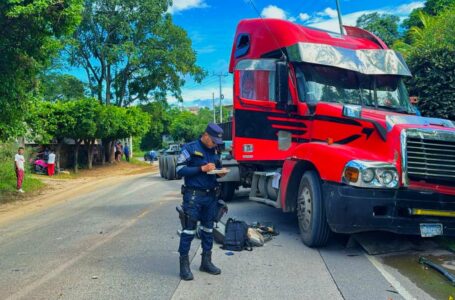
pixel 108 85
pixel 108 152
pixel 111 152
pixel 102 152
pixel 91 143
pixel 76 155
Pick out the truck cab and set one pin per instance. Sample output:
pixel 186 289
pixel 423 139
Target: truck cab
pixel 323 127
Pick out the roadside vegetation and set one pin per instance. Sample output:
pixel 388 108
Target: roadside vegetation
pixel 427 41
pixel 8 175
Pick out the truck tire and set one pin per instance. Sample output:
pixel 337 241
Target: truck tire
pixel 314 229
pixel 175 163
pixel 170 167
pixel 161 166
pixel 227 190
pixel 164 159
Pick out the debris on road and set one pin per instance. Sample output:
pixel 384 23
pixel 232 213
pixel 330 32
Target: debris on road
pixel 440 269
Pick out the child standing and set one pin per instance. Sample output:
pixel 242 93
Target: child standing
pixel 19 161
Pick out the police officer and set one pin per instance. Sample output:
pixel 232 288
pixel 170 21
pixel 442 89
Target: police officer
pixel 199 197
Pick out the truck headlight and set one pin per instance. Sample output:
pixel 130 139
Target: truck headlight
pixel 370 174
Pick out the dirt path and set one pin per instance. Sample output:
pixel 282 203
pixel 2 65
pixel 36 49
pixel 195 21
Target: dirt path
pixel 64 187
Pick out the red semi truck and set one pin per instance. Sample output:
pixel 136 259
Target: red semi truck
pixel 322 126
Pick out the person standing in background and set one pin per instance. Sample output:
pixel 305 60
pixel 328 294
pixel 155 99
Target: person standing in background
pixel 19 161
pixel 51 163
pixel 126 150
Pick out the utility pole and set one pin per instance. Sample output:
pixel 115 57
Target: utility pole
pixel 220 76
pixel 213 105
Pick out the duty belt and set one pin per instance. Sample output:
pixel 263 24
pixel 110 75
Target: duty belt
pixel 199 191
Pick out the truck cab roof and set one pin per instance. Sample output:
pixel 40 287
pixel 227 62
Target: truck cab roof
pixel 270 38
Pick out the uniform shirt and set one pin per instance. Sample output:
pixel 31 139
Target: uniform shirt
pixel 193 156
pixel 19 159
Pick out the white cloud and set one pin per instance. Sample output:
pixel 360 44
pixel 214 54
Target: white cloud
pixel 331 24
pixel 304 17
pixel 192 91
pixel 205 50
pixel 407 8
pixel 181 5
pixel 273 12
pixel 330 12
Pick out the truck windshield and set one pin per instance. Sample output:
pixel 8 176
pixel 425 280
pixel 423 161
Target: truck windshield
pixel 328 84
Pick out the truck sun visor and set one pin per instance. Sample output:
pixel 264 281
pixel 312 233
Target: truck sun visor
pixel 369 61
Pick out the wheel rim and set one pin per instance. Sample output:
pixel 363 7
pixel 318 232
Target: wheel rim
pixel 304 211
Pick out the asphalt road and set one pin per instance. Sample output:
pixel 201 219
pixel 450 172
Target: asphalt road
pixel 120 242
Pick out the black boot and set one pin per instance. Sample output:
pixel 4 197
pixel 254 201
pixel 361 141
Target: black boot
pixel 185 271
pixel 207 265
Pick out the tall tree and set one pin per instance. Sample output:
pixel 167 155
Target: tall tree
pixel 64 87
pixel 131 50
pixel 85 112
pixel 29 37
pixel 431 8
pixel 385 26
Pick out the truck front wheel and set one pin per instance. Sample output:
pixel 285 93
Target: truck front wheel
pixel 314 229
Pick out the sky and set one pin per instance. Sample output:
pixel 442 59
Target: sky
pixel 211 26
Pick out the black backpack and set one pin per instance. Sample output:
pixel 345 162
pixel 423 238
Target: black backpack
pixel 236 237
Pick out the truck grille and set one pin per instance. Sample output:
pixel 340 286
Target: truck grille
pixel 430 156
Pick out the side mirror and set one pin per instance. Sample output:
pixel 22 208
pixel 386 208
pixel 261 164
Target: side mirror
pixel 281 84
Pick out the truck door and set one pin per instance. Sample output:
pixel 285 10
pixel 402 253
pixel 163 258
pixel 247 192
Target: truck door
pixel 258 123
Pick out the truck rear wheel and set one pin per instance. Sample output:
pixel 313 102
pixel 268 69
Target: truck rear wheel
pixel 314 229
pixel 170 167
pixel 161 166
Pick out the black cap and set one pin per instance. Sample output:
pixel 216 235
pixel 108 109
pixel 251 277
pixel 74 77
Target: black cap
pixel 215 132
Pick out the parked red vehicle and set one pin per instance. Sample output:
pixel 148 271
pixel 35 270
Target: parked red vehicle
pixel 323 127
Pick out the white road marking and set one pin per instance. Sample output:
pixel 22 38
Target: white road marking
pixel 108 237
pixel 390 278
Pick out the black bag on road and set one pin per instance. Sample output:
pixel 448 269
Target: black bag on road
pixel 236 237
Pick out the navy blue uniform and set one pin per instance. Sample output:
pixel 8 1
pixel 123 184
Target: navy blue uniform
pixel 199 198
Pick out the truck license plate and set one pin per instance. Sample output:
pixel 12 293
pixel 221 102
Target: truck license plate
pixel 430 230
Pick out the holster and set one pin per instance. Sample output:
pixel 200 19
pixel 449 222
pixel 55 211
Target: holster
pixel 185 220
pixel 182 216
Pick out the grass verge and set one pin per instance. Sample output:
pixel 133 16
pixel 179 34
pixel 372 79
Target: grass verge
pixel 8 182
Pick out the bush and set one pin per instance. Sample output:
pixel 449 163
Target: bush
pixel 434 81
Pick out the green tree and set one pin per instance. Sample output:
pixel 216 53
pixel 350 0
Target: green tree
pixel 186 126
pixel 30 33
pixel 431 8
pixel 119 123
pixel 385 26
pixel 432 61
pixel 51 122
pixel 86 113
pixel 159 119
pixel 131 50
pixel 63 87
